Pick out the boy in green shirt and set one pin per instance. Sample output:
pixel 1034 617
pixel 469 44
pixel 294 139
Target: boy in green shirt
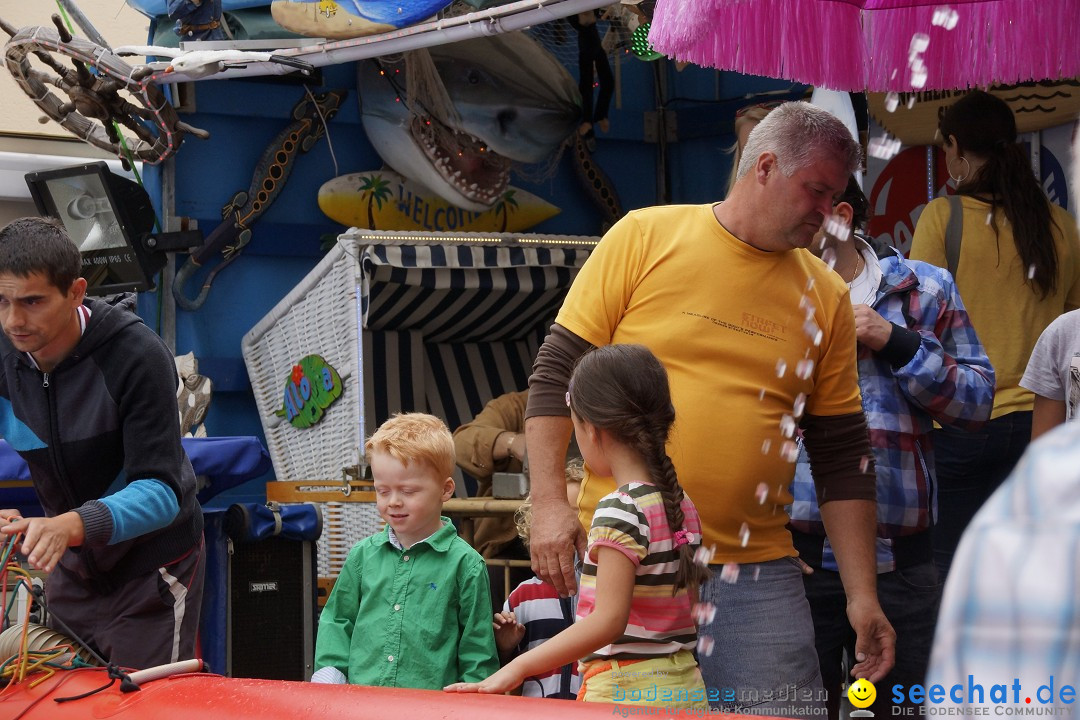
pixel 412 605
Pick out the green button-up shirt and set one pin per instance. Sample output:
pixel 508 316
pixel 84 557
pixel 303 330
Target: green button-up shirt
pixel 415 618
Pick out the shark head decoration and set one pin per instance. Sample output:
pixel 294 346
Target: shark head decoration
pixel 512 101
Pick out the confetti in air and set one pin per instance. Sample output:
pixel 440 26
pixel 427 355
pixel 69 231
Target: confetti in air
pixel 945 16
pixel 757 572
pixel 910 102
pixel 864 463
pixel 704 555
pixel 813 332
pixel 1031 271
pixel 766 445
pixel 919 43
pixel 781 368
pixel 789 451
pixel 761 395
pixel 787 426
pixel 919 73
pixel 809 284
pixel 800 405
pixel 730 573
pixel 807 307
pixel 704 613
pixel 762 493
pixel 892 101
pixel 837 228
pixel 804 369
pixel 829 258
pixel 705 645
pixel 883 148
pixel 744 535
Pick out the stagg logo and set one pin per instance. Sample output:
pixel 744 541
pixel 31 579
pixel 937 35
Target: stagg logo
pixel 262 587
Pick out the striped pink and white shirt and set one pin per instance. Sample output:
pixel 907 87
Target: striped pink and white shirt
pixel 633 521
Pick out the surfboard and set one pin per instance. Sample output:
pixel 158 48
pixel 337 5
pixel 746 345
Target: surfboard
pixel 160 8
pixel 343 19
pixel 386 200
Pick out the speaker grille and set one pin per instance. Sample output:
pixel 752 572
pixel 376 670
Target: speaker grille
pixel 272 609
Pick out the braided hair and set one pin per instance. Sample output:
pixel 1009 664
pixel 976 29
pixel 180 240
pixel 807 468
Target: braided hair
pixel 623 390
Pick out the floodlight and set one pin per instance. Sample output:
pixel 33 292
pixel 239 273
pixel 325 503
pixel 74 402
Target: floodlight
pixel 111 220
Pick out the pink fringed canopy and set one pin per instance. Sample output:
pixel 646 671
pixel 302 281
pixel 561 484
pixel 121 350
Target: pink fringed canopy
pixel 864 44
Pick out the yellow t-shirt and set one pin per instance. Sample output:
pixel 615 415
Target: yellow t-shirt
pixel 725 319
pixel 1006 312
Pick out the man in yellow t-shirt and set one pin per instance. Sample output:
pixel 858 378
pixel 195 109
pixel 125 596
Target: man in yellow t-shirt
pixel 757 336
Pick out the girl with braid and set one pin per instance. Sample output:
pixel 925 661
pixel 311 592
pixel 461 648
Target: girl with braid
pixel 634 631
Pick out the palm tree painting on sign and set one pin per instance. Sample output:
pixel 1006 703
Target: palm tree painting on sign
pixel 386 200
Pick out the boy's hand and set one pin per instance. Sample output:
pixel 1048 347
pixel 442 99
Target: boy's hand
pixel 500 683
pixel 508 631
pixel 46 539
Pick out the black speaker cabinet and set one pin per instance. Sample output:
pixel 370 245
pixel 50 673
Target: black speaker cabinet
pixel 272 609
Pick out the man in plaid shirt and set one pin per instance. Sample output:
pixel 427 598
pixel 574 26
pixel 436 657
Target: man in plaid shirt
pixel 919 362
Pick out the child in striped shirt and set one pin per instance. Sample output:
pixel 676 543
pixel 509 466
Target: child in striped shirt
pixel 534 613
pixel 635 631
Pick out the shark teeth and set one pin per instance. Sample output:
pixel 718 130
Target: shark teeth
pixel 462 160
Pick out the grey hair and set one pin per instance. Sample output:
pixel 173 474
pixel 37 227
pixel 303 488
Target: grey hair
pixel 797 133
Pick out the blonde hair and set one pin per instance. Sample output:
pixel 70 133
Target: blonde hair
pixel 753 115
pixel 415 437
pixel 575 473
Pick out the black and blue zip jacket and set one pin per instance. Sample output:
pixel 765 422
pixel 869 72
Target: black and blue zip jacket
pixel 101 436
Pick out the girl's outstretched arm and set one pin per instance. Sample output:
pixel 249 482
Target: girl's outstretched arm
pixel 614 590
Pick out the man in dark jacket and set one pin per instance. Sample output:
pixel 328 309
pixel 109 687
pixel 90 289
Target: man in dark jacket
pixel 88 399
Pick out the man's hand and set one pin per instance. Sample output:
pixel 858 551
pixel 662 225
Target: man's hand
pixel 46 539
pixel 871 329
pixel 875 640
pixel 553 538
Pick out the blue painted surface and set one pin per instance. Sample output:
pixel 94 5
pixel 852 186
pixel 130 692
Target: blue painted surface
pixel 243 115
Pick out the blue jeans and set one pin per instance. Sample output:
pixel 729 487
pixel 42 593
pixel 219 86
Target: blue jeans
pixel 970 467
pixel 910 598
pixel 764 634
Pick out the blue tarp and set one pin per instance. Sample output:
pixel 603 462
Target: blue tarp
pixel 225 462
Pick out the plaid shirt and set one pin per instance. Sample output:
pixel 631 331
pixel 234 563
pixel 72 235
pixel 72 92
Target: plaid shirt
pixel 949 380
pixel 1009 610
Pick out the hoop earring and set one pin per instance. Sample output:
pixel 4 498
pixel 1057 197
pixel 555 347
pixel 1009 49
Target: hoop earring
pixel 963 177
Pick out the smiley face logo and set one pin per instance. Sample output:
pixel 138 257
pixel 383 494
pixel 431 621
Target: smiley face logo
pixel 862 693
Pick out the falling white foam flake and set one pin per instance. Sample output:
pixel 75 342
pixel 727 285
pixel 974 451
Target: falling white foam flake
pixel 945 16
pixel 704 613
pixel 883 148
pixel 730 573
pixel 837 228
pixel 762 493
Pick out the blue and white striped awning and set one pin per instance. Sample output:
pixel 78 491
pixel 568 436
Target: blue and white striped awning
pixel 412 322
pixel 468 315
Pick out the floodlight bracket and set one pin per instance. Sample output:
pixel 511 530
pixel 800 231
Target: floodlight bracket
pixel 178 241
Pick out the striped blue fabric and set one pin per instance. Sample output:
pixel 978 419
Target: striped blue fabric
pixel 448 327
pixel 949 380
pixel 1009 612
